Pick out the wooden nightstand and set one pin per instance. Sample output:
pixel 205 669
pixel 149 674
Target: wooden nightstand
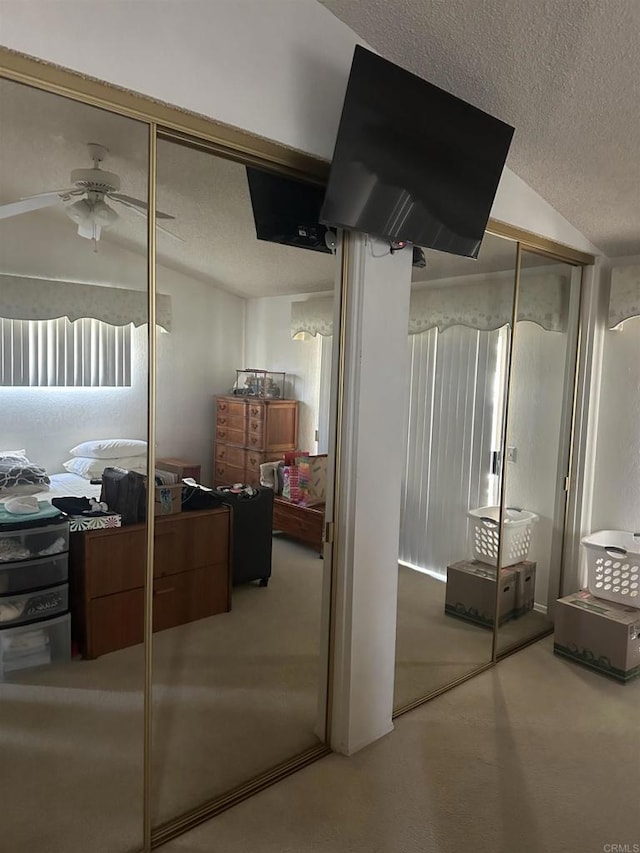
pixel 180 467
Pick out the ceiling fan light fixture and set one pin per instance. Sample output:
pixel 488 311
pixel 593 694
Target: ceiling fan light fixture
pixel 91 217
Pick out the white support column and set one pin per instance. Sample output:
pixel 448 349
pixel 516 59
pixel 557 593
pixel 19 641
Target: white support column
pixel 368 512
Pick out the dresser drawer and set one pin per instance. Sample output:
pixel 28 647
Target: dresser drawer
pixel 227 475
pixel 235 422
pixel 229 454
pixel 115 622
pixel 253 459
pixel 230 436
pixel 255 440
pixel 230 408
pixel 115 560
pixel 256 411
pixel 190 596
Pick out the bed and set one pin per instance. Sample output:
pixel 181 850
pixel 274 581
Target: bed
pixel 69 485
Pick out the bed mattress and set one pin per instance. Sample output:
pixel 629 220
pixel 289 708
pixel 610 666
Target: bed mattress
pixel 69 485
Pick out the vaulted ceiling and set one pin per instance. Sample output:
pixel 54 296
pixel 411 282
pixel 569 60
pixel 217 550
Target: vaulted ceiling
pixel 565 73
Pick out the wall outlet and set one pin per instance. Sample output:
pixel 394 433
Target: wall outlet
pixel 512 454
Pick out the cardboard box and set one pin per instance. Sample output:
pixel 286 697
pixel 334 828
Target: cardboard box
pixel 471 592
pixel 168 500
pixel 525 587
pixel 603 635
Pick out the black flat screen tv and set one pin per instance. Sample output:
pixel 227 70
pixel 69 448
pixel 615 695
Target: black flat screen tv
pixel 413 163
pixel 287 211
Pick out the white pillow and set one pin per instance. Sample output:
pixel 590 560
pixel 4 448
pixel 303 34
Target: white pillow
pixel 90 469
pixel 110 448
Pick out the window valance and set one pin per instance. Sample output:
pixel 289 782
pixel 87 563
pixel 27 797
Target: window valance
pixel 624 301
pixel 483 305
pixel 23 298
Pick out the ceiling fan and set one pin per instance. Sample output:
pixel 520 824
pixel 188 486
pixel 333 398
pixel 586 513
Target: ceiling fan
pixel 91 187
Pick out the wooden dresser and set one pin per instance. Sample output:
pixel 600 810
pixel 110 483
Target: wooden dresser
pixel 192 578
pixel 250 431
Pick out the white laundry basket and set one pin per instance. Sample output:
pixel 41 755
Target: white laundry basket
pixel 485 524
pixel 613 560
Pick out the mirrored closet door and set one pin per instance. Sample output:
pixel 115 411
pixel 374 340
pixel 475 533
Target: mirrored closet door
pixel 244 378
pixel 541 393
pixel 459 334
pixel 73 401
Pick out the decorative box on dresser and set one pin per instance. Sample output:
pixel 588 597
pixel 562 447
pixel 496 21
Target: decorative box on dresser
pixel 250 431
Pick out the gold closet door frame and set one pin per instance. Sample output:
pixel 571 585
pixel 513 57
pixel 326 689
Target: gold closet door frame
pixel 525 241
pixel 172 123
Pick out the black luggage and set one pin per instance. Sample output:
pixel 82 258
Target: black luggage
pixel 252 534
pixel 124 492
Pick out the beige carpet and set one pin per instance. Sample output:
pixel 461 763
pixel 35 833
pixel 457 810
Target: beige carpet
pixel 434 649
pixel 234 695
pixel 537 755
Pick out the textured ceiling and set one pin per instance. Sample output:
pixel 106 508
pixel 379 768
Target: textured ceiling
pixel 44 137
pixel 564 73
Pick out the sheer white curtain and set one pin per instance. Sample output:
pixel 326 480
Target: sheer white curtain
pixel 58 353
pixel 452 432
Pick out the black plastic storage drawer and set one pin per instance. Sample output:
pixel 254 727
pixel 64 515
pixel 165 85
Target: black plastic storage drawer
pixel 28 543
pixel 39 644
pixel 24 607
pixel 33 574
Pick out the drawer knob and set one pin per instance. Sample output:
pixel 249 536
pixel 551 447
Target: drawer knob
pixel 255 411
pixel 255 425
pixel 254 440
pixel 222 433
pixel 222 407
pixel 223 420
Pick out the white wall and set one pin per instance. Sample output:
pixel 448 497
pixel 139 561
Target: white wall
pixel 277 68
pixel 616 499
pixel 196 360
pixel 269 345
pixel 368 512
pixel 535 413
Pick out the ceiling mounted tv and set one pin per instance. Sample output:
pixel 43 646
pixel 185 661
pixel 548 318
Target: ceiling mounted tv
pixel 287 211
pixel 413 163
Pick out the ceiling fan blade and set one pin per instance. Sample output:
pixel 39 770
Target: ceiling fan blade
pixel 59 193
pixel 26 205
pixel 137 210
pixel 136 202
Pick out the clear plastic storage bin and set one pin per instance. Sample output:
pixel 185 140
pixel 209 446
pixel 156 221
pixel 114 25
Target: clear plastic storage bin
pixel 34 574
pixel 19 609
pixel 613 560
pixel 485 538
pixel 29 543
pixel 33 645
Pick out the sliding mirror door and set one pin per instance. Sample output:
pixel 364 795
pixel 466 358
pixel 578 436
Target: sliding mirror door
pixel 541 392
pixel 244 379
pixel 460 316
pixel 73 401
